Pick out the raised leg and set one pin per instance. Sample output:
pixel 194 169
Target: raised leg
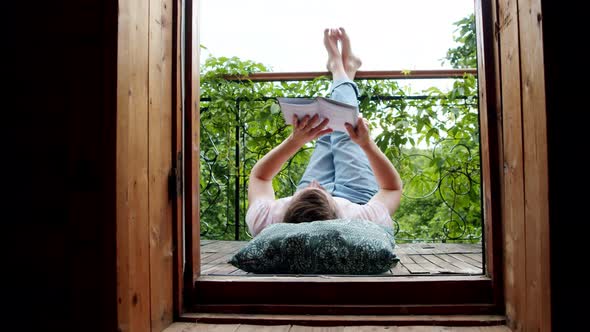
pixel 350 61
pixel 337 163
pixel 321 163
pixel 353 175
pixel 335 64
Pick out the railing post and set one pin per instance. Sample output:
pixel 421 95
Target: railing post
pixel 237 175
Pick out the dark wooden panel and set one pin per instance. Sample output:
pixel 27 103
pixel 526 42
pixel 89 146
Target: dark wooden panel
pixel 177 132
pixel 59 101
pixel 491 142
pixel 336 309
pixel 352 320
pixel 343 290
pixel 192 149
pixel 423 325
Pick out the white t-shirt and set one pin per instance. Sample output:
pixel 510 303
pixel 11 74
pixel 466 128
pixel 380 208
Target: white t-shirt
pixel 265 212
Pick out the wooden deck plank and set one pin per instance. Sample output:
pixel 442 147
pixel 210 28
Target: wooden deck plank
pixel 239 272
pixel 349 323
pixel 370 329
pixel 445 266
pixel 225 269
pixel 217 246
pixel 468 260
pixel 415 258
pixel 399 250
pixel 299 328
pixel 476 257
pixel 213 268
pixel 222 258
pixel 416 269
pixel 210 328
pixel 198 327
pixel 263 328
pixel 465 260
pixel 466 267
pixel 213 257
pixel 207 254
pixel 426 264
pixel 408 249
pixel 400 269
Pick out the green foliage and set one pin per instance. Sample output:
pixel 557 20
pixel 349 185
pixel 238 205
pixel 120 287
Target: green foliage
pixel 433 141
pixel 464 55
pixel 434 144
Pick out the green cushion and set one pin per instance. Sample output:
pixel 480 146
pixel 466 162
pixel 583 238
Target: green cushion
pixel 340 246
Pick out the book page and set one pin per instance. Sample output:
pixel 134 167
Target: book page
pixel 299 107
pixel 339 114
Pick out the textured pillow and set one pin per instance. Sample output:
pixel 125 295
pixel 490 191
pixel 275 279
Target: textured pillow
pixel 340 246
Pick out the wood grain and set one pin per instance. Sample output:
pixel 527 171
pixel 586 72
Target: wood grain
pixel 262 328
pixel 192 148
pixel 198 327
pixel 368 74
pixel 177 132
pixel 133 285
pixel 513 189
pixel 537 311
pixel 351 321
pixel 160 162
pixel 491 142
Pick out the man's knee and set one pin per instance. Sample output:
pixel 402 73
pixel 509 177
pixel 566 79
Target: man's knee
pixel 346 88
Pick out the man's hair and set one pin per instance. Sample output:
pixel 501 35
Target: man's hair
pixel 310 205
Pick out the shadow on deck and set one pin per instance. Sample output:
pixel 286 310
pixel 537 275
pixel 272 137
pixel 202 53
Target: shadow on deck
pixel 415 258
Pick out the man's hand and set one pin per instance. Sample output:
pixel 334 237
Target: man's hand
pixel 360 135
pixel 307 129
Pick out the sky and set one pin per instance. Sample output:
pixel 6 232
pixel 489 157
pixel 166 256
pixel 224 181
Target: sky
pixel 287 35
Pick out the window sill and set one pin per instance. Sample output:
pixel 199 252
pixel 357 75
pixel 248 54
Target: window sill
pixel 346 320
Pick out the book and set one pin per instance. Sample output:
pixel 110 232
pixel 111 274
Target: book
pixel 337 112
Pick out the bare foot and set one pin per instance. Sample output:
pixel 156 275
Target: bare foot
pixel 350 61
pixel 335 64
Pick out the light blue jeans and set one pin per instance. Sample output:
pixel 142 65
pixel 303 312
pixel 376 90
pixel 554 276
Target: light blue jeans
pixel 339 164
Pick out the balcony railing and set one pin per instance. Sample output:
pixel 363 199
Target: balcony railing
pixel 230 148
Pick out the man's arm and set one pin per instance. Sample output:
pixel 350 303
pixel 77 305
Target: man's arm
pixel 260 183
pixel 388 179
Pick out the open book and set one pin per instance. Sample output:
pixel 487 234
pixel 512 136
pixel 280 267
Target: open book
pixel 338 112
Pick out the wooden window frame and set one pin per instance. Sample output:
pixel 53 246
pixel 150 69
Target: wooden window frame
pixel 339 295
pixel 502 166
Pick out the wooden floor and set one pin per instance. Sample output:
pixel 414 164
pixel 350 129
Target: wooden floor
pixel 415 259
pixel 198 327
